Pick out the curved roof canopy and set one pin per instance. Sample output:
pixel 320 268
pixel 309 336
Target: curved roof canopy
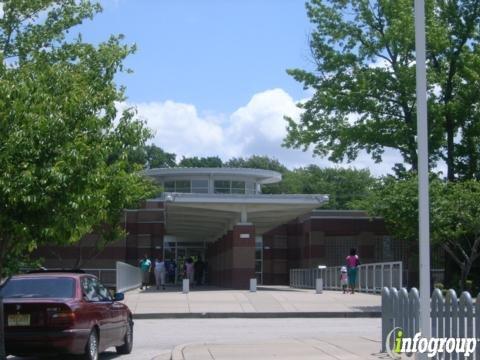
pixel 260 176
pixel 208 216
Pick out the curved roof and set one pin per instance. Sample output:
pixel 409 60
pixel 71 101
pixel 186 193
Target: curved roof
pixel 259 175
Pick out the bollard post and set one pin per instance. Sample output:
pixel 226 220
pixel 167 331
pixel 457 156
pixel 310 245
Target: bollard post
pixel 319 285
pixel 186 286
pixel 253 285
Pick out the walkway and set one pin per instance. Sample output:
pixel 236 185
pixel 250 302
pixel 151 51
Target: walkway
pixel 268 301
pixel 308 348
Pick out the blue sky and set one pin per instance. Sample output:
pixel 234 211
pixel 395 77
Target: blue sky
pixel 214 54
pixel 210 75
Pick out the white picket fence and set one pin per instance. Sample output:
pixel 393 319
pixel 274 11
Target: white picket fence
pixel 371 278
pixel 450 317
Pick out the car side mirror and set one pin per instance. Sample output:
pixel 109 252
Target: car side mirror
pixel 119 297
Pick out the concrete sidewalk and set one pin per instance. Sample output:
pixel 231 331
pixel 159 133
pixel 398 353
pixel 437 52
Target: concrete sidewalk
pixel 312 348
pixel 268 301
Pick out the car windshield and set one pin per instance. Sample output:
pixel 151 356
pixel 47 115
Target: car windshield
pixel 39 288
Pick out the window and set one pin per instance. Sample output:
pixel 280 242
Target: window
pixel 229 187
pixel 182 186
pixel 89 289
pixel 250 188
pixel 259 259
pixel 222 187
pixel 238 187
pixel 169 186
pixel 179 186
pixel 39 288
pixel 93 290
pixel 200 186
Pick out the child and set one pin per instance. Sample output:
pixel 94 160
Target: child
pixel 344 279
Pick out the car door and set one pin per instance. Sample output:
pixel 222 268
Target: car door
pixel 117 319
pixel 98 310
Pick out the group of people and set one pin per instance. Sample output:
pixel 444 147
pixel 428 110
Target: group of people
pixel 348 273
pixel 166 270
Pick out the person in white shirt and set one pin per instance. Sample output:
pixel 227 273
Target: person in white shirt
pixel 160 272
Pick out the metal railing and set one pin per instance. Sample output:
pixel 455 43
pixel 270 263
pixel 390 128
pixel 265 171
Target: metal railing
pixel 371 278
pixel 128 277
pixel 106 276
pixel 451 317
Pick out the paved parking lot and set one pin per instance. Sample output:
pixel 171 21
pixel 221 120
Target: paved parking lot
pixel 161 336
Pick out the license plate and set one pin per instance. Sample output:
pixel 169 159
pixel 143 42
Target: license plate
pixel 19 320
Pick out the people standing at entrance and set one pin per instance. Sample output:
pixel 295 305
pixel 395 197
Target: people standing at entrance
pixel 146 268
pixel 189 270
pixel 160 273
pixel 171 267
pixel 352 268
pixel 344 279
pixel 198 270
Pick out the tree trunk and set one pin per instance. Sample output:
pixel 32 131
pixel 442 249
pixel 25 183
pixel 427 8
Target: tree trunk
pixel 450 148
pixel 464 275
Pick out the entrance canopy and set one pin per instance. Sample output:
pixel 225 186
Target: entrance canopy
pixel 206 217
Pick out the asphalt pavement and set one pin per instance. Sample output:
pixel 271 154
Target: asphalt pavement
pixel 153 338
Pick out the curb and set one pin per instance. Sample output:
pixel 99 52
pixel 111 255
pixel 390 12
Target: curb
pixel 263 315
pixel 177 352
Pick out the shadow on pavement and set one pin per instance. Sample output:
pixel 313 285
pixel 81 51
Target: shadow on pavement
pixel 178 288
pixel 107 355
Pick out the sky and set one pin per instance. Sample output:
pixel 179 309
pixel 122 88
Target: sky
pixel 209 76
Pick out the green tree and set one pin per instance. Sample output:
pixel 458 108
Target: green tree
pixel 257 162
pixel 364 82
pixel 454 215
pixel 342 185
pixel 265 163
pixel 64 159
pixel 152 156
pixel 201 162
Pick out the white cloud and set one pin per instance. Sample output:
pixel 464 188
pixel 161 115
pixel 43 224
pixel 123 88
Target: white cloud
pixel 258 128
pixel 1 11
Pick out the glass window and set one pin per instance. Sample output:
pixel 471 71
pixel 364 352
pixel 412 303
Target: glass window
pixel 222 187
pixel 258 266
pixel 182 186
pixel 93 290
pixel 90 289
pixel 238 187
pixel 103 292
pixel 169 186
pixel 250 188
pixel 39 288
pixel 199 186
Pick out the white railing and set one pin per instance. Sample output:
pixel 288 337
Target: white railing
pixel 128 277
pixel 371 278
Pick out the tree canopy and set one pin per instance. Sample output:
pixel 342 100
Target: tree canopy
pixel 343 186
pixel 64 152
pixel 209 161
pixel 454 215
pixel 364 82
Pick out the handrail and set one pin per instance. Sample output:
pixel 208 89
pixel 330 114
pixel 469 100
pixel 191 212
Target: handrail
pixel 371 278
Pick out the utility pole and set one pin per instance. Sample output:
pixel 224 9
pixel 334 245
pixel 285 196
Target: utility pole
pixel 423 177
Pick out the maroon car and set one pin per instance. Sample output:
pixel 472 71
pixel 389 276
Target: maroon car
pixel 64 313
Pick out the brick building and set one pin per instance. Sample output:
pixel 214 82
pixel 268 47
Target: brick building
pixel 221 216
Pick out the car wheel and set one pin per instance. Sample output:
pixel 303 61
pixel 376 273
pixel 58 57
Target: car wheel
pixel 127 346
pixel 91 350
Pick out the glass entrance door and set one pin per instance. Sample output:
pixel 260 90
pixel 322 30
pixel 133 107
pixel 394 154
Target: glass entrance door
pixel 180 252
